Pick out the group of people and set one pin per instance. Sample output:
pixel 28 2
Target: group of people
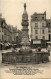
pixel 4 46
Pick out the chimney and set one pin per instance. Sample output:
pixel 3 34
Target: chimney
pixel 45 12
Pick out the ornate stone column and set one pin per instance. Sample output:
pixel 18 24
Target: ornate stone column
pixel 25 36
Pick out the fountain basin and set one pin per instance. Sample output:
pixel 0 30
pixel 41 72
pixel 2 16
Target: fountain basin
pixel 34 57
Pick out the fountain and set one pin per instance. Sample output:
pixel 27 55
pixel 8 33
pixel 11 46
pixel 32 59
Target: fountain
pixel 25 37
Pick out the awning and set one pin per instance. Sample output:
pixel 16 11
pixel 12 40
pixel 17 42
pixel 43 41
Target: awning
pixel 36 42
pixel 25 43
pixel 6 44
pixel 49 42
pixel 9 43
pixel 14 44
pixel 2 44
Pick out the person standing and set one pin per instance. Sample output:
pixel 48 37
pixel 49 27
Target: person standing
pixel 48 48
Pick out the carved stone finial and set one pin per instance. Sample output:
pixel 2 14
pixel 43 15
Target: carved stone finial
pixel 24 6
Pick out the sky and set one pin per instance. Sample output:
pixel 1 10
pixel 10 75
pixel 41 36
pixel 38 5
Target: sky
pixel 12 10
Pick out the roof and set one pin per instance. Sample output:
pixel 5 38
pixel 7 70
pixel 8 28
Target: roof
pixel 2 19
pixel 38 16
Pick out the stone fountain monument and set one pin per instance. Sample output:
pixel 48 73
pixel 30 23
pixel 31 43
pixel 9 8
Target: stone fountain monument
pixel 25 37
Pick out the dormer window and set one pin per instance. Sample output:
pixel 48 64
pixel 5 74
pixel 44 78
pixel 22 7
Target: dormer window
pixel 35 18
pixel 42 18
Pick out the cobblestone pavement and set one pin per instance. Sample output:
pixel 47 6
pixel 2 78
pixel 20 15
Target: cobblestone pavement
pixel 12 71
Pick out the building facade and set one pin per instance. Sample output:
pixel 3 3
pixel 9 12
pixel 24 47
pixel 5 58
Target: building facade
pixel 13 31
pixel 1 29
pixel 7 32
pixel 49 30
pixel 39 30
